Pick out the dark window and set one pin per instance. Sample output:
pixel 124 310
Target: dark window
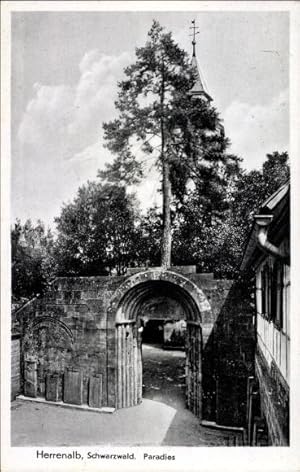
pixel 265 291
pixel 272 293
pixel 278 295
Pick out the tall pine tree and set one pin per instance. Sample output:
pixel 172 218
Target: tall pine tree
pixel 183 132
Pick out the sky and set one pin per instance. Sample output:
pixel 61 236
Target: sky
pixel 65 69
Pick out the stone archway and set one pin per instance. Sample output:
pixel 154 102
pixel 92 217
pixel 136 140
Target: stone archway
pixel 124 309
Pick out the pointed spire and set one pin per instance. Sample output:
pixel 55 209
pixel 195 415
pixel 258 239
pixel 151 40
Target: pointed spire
pixel 198 89
pixel 194 28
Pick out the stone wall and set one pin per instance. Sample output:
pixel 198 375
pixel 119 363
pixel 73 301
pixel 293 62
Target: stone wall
pixel 68 341
pixel 274 400
pixel 67 331
pixel 229 352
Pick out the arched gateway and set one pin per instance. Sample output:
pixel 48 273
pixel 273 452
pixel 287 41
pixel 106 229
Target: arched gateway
pixel 126 308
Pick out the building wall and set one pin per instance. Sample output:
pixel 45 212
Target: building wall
pixel 273 352
pixel 68 344
pixel 274 340
pixel 274 400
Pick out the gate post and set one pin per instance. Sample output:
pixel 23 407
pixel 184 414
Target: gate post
pixel 194 368
pixel 129 364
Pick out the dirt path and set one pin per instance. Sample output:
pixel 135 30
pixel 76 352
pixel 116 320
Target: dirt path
pixel 164 382
pixel 164 375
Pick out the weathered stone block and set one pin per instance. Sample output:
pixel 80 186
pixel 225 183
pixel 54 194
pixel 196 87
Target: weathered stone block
pixel 89 294
pixel 52 387
pixel 100 321
pixel 95 391
pixel 73 387
pixel 96 306
pixel 15 366
pixel 30 380
pixel 82 308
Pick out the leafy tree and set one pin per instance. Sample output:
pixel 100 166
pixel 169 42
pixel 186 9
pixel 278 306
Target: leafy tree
pixel 182 132
pixel 151 232
pixel 33 263
pixel 216 243
pixel 97 232
pixel 254 187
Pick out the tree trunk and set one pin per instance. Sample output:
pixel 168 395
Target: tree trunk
pixel 166 188
pixel 166 236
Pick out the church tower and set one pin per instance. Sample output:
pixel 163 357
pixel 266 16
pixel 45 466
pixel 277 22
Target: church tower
pixel 198 90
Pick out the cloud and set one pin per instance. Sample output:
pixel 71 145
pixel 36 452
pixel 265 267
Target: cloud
pixel 88 60
pixel 69 118
pixel 59 143
pixel 46 117
pixel 83 165
pixel 95 94
pixel 255 130
pixel 147 191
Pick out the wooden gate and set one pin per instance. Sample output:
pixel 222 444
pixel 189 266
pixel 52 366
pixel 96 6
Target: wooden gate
pixel 193 370
pixel 129 364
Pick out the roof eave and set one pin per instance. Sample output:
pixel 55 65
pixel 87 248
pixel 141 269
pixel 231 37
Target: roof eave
pixel 279 205
pixel 201 94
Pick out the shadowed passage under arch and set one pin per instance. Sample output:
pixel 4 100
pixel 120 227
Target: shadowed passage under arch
pixel 129 303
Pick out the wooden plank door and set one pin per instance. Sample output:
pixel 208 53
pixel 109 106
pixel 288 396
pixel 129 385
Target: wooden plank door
pixel 193 368
pixel 129 364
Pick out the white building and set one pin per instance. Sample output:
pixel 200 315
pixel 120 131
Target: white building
pixel 268 255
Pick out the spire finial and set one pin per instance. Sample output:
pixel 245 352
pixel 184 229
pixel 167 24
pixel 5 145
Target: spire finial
pixel 195 31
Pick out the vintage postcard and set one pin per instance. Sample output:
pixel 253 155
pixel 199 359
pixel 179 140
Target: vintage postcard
pixel 150 172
